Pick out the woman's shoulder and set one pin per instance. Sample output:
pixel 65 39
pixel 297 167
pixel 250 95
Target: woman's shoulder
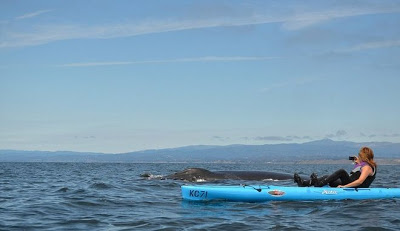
pixel 367 168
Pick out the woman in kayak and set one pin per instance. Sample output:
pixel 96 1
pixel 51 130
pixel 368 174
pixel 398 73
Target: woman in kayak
pixel 361 176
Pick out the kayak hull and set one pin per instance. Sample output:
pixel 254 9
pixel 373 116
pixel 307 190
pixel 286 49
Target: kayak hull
pixel 281 193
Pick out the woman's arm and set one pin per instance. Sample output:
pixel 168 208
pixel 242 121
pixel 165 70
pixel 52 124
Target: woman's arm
pixel 366 171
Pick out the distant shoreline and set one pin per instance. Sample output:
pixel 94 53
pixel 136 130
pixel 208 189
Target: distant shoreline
pixel 316 152
pixel 300 162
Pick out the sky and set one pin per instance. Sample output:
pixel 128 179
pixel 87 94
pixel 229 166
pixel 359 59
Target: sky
pixel 120 76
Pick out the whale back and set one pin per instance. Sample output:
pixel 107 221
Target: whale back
pixel 201 174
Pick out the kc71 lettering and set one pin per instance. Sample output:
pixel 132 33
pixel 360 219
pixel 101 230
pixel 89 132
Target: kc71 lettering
pixel 197 193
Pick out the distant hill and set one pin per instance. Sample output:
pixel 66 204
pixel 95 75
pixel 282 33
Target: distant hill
pixel 311 151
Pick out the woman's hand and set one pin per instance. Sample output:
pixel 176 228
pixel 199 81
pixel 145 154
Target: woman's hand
pixel 341 186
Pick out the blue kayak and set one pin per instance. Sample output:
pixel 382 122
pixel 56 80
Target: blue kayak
pixel 248 193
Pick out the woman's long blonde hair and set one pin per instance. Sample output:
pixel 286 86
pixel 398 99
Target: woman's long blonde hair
pixel 367 155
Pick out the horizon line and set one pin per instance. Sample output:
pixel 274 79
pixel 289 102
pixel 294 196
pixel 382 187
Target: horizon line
pixel 185 146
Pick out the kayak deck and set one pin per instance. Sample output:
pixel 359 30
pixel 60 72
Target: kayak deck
pixel 248 193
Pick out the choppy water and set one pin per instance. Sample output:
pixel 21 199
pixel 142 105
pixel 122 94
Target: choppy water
pixel 93 196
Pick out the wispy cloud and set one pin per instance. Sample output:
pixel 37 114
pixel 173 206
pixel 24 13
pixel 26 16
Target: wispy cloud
pixel 84 137
pixel 183 60
pixel 272 138
pixel 221 138
pixel 50 33
pixel 32 14
pixel 281 138
pixel 301 20
pixel 391 135
pixel 338 134
pixel 38 35
pixel 372 45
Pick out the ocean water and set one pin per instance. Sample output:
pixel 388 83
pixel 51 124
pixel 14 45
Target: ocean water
pixel 109 196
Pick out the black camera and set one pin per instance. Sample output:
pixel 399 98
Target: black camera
pixel 352 158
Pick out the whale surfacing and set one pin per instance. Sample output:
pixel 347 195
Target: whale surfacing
pixel 199 174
